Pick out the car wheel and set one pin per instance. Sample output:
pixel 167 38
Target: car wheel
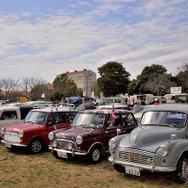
pixel 95 155
pixel 35 146
pixel 119 168
pixel 182 169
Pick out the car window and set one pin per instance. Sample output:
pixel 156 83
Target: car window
pixel 70 116
pixel 176 119
pixel 58 118
pixel 9 115
pixel 89 120
pixel 128 120
pixel 36 117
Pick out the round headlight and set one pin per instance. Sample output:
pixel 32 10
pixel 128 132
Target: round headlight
pixel 51 136
pixel 162 151
pixel 3 130
pixel 112 144
pixel 79 140
pixel 21 134
pixel 69 146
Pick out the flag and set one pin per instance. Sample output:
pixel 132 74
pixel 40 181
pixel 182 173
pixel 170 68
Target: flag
pixel 114 115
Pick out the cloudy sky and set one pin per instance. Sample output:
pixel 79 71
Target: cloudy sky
pixel 44 38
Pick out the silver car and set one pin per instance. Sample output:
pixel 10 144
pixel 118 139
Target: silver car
pixel 158 144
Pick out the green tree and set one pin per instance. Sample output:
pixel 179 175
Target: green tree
pixel 148 73
pixel 132 87
pixel 63 87
pixel 96 89
pixel 114 79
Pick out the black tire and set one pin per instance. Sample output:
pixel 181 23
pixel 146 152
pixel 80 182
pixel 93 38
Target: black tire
pixel 119 168
pixel 95 155
pixel 181 175
pixel 36 146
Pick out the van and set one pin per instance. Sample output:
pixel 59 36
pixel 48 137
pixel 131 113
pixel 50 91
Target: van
pixel 148 98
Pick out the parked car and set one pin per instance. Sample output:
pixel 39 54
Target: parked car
pixel 13 115
pixel 91 130
pixel 33 132
pixel 181 98
pixel 114 100
pixel 158 144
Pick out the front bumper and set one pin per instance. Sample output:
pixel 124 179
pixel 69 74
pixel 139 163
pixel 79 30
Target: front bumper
pixel 151 168
pixel 8 144
pixel 72 152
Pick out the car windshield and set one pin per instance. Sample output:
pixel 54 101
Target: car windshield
pixel 36 117
pixel 172 119
pixel 89 120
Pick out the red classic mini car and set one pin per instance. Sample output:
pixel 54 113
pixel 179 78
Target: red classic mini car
pixel 91 130
pixel 33 133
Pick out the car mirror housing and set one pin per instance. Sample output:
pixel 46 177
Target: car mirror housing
pixel 118 131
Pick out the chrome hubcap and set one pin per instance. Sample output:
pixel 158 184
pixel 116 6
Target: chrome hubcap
pixel 96 155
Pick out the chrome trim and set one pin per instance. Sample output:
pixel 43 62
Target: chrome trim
pixel 67 151
pixel 141 166
pixel 14 143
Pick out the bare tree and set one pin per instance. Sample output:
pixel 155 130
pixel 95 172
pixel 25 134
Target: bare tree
pixel 160 85
pixel 182 77
pixel 8 86
pixel 34 87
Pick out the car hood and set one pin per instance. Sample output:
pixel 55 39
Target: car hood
pixel 22 127
pixel 73 132
pixel 149 138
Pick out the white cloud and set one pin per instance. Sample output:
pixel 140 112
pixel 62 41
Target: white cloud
pixel 53 44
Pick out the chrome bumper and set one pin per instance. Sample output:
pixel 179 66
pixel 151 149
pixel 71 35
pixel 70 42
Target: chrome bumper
pixel 151 168
pixel 72 152
pixel 13 143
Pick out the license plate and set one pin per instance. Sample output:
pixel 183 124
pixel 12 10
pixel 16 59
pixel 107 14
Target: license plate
pixel 8 144
pixel 62 154
pixel 132 170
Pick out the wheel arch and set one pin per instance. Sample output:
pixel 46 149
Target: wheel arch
pixel 183 153
pixel 96 144
pixel 36 137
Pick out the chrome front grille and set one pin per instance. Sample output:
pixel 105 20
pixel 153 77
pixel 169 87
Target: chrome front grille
pixel 11 137
pixel 135 158
pixel 63 144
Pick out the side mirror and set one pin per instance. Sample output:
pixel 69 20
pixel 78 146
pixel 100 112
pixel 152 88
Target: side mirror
pixel 118 131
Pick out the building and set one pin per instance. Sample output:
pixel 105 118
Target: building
pixel 84 80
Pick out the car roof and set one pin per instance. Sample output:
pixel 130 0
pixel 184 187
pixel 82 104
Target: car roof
pixel 116 106
pixel 104 111
pixel 56 109
pixel 170 107
pixel 9 108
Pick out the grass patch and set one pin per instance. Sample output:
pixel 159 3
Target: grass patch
pixel 20 169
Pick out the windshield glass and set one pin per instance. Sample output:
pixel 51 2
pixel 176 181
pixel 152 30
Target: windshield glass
pixel 89 120
pixel 36 117
pixel 175 119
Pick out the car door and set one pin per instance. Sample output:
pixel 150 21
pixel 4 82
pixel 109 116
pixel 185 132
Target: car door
pixel 125 122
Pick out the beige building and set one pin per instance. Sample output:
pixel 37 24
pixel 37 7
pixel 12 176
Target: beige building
pixel 84 80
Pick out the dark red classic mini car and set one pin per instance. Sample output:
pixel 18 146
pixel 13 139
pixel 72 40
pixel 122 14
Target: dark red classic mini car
pixel 91 130
pixel 33 132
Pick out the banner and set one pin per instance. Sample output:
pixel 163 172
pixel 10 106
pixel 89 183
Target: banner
pixel 175 90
